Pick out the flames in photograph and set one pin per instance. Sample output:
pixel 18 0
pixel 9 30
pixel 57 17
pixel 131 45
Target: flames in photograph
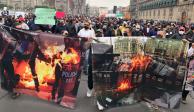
pixel 45 71
pixel 138 62
pixel 124 85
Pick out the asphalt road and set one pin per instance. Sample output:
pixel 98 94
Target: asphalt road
pixel 31 104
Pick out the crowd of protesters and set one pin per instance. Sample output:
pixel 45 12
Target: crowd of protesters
pixel 106 27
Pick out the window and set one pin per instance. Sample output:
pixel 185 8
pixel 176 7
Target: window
pixel 164 13
pixel 154 14
pixel 171 12
pixel 158 12
pixel 150 13
pixel 146 13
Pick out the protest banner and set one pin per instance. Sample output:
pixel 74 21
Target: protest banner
pixel 139 69
pixel 46 66
pixel 190 77
pixel 125 70
pixel 45 16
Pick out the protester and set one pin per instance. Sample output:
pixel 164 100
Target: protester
pixel 32 25
pixel 60 27
pixel 8 21
pixel 180 35
pixel 99 33
pixel 77 26
pixel 87 32
pixel 109 31
pixel 71 29
pixel 190 34
pixel 137 31
pixel 22 25
pixel 152 32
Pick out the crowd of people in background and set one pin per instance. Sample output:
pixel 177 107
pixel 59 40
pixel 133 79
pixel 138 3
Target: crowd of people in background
pixel 106 27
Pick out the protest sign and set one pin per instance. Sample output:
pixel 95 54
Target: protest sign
pixel 136 69
pixel 46 66
pixel 60 15
pixel 119 15
pixel 45 16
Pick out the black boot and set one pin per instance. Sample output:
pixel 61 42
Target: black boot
pixel 36 84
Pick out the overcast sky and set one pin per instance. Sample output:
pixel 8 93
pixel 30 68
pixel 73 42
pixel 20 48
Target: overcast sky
pixel 108 3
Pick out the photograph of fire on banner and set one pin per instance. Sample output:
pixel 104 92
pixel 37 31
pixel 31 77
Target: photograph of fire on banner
pixel 43 65
pixel 139 69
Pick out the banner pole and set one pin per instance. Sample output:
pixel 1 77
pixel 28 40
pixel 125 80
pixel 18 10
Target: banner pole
pixel 23 31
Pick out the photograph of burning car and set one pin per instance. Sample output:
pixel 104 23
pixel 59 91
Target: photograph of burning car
pixel 137 69
pixel 47 67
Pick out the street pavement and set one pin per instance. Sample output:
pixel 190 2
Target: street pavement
pixel 31 104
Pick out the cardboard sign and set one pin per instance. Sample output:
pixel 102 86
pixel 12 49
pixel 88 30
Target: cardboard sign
pixel 45 16
pixel 48 67
pixel 60 15
pixel 137 69
pixel 119 15
pixel 4 8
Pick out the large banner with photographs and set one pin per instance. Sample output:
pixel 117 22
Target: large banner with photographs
pixel 139 69
pixel 45 66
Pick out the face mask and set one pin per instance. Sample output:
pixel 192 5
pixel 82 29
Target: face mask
pixel 148 29
pixel 125 34
pixel 86 27
pixel 181 32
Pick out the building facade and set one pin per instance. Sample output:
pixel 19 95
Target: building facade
pixel 3 1
pixel 168 10
pixel 61 5
pixel 103 11
pixel 93 11
pixel 74 7
pixel 23 4
pixel 133 8
pixel 80 7
pixel 125 12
